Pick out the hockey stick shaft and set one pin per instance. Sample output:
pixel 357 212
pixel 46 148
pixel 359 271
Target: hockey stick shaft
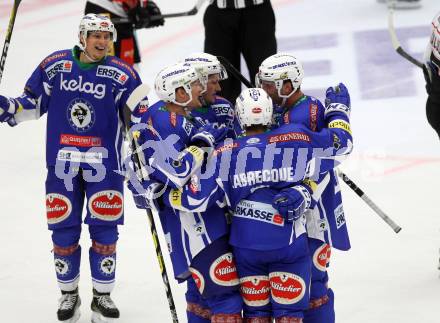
pixel 237 74
pixel 344 177
pixel 8 36
pixel 191 12
pixel 137 95
pixel 369 202
pixel 395 41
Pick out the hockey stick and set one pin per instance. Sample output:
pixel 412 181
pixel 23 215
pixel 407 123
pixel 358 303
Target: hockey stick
pixel 237 74
pixel 8 36
pixel 393 35
pixel 369 202
pixel 191 12
pixel 344 177
pixel 138 94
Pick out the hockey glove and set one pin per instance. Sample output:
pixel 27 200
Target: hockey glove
pixel 292 202
pixel 209 135
pixel 8 107
pixel 146 195
pixel 337 94
pixel 142 16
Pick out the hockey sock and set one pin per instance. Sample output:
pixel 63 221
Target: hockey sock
pixel 67 261
pixel 103 266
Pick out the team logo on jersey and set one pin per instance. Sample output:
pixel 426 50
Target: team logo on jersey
pixel 62 266
pixel 64 66
pixel 223 271
pixel 321 257
pixel 81 115
pixel 107 265
pixel 106 205
pixel 198 278
pixel 72 85
pixel 112 73
pixel 255 290
pixel 286 288
pixel 58 208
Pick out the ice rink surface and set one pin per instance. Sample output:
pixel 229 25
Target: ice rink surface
pixel 384 278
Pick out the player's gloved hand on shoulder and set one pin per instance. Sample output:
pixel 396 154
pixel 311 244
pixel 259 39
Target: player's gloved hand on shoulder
pixel 292 202
pixel 209 135
pixel 8 108
pixel 337 103
pixel 146 194
pixel 337 94
pixel 146 17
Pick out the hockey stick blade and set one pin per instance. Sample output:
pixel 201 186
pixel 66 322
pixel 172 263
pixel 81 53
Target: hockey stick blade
pixel 191 12
pixel 395 40
pixel 369 202
pixel 8 36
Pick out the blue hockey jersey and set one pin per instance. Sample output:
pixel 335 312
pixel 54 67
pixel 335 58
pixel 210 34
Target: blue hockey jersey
pixel 326 221
pixel 249 171
pixel 169 158
pixel 84 105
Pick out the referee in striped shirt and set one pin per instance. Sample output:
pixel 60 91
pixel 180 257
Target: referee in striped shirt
pixel 234 27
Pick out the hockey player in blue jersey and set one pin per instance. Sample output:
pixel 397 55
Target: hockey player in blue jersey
pixel 215 110
pixel 83 91
pixel 170 138
pixel 253 187
pixel 281 76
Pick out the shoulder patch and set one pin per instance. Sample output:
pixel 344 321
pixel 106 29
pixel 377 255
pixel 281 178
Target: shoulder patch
pixel 173 119
pixel 121 63
pixel 313 111
pixel 53 57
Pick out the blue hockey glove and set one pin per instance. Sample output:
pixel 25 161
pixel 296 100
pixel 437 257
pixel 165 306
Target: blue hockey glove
pixel 209 135
pixel 8 108
pixel 146 195
pixel 292 202
pixel 337 94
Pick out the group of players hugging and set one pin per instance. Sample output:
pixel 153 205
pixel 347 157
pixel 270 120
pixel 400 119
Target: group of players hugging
pixel 247 194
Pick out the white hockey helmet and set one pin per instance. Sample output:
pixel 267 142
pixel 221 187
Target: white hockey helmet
pixel 94 22
pixel 279 68
pixel 169 79
pixel 254 107
pixel 206 64
pixel 435 36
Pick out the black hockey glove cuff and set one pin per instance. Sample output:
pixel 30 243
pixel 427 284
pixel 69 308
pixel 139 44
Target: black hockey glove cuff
pixel 146 17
